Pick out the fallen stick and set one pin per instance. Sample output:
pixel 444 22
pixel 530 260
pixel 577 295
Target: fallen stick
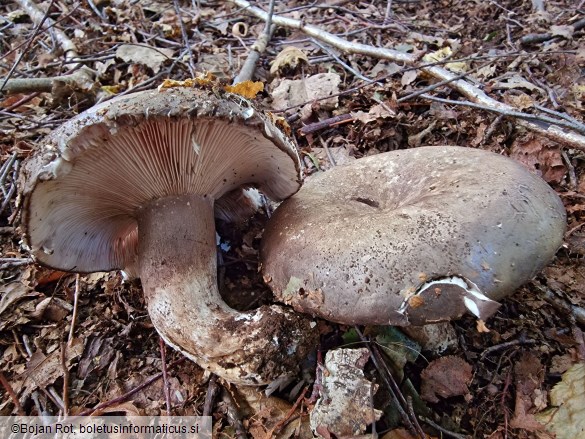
pixel 468 90
pixel 81 77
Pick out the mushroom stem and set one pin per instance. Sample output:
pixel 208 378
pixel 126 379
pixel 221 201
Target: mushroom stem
pixel 178 269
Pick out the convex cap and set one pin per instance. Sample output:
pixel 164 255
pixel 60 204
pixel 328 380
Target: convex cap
pixel 412 237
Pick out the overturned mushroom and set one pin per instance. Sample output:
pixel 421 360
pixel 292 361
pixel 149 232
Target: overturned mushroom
pixel 412 237
pixel 132 183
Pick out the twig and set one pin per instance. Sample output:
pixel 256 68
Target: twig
pixel 345 65
pixel 65 379
pixel 318 384
pixel 22 101
pixel 81 78
pixel 574 229
pixel 557 302
pixel 95 9
pixel 40 21
pixel 439 84
pixel 388 12
pixel 413 417
pixel 571 168
pixel 43 85
pixel 128 394
pixel 212 391
pixel 541 38
pixel 327 151
pixel 276 429
pixel 325 123
pixel 391 385
pixel 5 170
pixel 12 189
pixel 510 113
pixel 74 315
pixel 166 385
pixel 442 429
pixel 35 394
pixel 233 414
pixel 185 37
pixel 12 394
pixel 468 90
pixel 257 49
pixel 521 341
pixel 14 262
pixel 492 128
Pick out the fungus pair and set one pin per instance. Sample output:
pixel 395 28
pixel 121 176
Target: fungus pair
pixel 400 238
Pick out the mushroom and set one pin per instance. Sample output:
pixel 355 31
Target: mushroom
pixel 411 237
pixel 132 183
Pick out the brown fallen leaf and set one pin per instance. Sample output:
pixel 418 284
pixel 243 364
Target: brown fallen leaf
pixel 540 157
pixel 528 379
pixel 445 377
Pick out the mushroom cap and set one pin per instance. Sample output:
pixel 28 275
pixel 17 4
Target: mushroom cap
pixel 411 237
pixel 83 188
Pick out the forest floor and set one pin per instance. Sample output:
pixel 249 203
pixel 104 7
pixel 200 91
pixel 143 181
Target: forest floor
pixel 532 60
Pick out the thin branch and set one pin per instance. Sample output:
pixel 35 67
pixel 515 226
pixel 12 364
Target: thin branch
pixel 75 302
pixel 507 112
pixel 257 49
pixel 63 358
pixel 12 394
pixel 166 386
pixel 40 20
pixel 468 90
pixel 345 65
pixel 185 37
pixel 212 391
pixel 126 396
pixel 233 414
pixel 83 76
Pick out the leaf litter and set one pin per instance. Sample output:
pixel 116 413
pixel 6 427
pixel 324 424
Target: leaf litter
pixel 527 367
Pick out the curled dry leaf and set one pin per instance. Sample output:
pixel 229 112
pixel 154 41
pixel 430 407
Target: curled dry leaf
pixel 288 58
pixel 445 377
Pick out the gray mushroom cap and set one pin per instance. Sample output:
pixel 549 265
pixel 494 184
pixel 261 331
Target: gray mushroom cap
pixel 412 237
pixel 83 188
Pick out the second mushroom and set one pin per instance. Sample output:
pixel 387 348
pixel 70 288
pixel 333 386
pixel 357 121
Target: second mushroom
pixel 132 184
pixel 412 237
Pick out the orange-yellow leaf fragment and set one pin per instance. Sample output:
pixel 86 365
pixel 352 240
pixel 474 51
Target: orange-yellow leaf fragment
pixel 280 122
pixel 247 89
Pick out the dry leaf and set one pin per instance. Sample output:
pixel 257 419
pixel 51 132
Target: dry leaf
pixel 345 407
pixel 149 56
pixel 408 77
pixel 289 57
pixel 541 157
pixel 567 417
pixel 247 89
pixel 516 82
pixel 295 92
pixel 445 377
pixel 564 31
pixel 528 374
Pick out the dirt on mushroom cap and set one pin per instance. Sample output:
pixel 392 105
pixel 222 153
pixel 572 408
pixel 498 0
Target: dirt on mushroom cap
pixel 357 242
